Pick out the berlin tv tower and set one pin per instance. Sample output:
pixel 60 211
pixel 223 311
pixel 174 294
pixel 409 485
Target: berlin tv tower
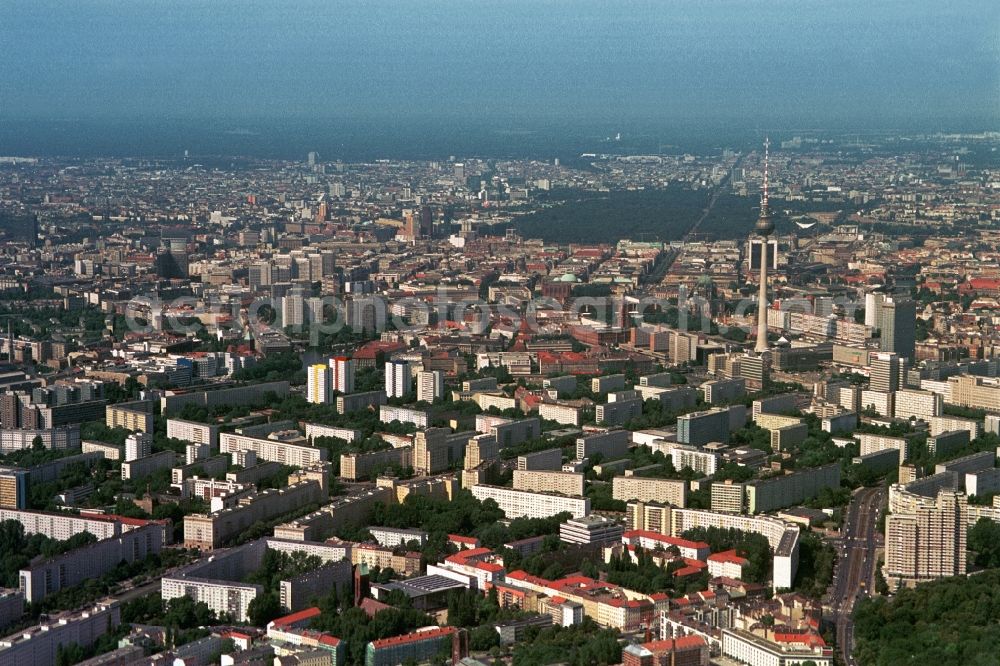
pixel 764 228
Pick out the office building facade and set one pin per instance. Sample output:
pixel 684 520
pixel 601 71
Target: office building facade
pixel 700 428
pixel 898 325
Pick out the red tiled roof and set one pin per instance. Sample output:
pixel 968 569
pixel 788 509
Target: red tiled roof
pixel 531 399
pixel 680 643
pixel 546 357
pixel 580 581
pixel 728 556
pixel 729 582
pixel 469 553
pixel 489 566
pixel 318 636
pixel 373 606
pixel 633 603
pixel 125 520
pixel 984 283
pixel 672 541
pixel 296 618
pixel 509 589
pixel 528 578
pixel 462 539
pixel 687 571
pixel 414 637
pixel 808 638
pixel 370 349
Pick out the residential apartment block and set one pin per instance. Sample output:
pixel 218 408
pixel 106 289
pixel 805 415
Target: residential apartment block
pixel 563 483
pixel 649 489
pixel 526 504
pixel 297 453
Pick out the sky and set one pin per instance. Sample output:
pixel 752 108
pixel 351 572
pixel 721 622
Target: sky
pixel 870 64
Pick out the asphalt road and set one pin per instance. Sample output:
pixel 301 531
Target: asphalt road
pixel 854 573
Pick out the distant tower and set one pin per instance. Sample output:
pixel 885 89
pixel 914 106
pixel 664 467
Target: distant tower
pixel 362 586
pixel 764 228
pixel 398 379
pixel 898 324
pixel 426 222
pixel 342 374
pixel 411 225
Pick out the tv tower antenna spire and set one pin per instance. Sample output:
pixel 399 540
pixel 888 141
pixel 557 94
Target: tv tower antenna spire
pixel 764 228
pixel 767 157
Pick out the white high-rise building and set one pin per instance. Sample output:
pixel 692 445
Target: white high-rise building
pixel 314 308
pixel 887 372
pixel 928 542
pixel 318 389
pixel 342 374
pixel 398 379
pixel 918 404
pixel 430 385
pixel 873 308
pixel 138 445
pixel 293 309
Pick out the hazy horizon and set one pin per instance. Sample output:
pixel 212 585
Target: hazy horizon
pixel 523 65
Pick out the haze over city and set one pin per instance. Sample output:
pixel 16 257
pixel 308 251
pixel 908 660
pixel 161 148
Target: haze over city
pixel 420 72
